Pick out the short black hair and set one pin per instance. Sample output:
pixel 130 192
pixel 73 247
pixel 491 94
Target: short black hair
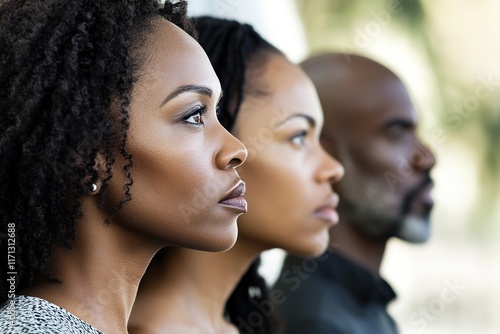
pixel 64 66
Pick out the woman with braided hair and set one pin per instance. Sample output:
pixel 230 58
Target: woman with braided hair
pixel 272 107
pixel 108 132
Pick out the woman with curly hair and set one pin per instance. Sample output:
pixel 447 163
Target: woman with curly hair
pixel 110 149
pixel 272 106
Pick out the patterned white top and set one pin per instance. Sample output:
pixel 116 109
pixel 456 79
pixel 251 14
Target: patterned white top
pixel 25 314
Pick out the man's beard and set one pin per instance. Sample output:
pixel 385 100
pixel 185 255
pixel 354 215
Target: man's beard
pixel 414 229
pixel 372 209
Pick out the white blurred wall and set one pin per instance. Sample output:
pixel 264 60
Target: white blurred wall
pixel 277 20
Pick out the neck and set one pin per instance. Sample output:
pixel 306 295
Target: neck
pixel 99 275
pixel 191 289
pixel 361 249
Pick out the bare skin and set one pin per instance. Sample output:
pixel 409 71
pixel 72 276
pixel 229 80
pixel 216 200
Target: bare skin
pixel 101 273
pixel 291 206
pixel 370 126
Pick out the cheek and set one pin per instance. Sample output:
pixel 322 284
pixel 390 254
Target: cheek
pixel 277 197
pixel 173 190
pixel 383 162
pixel 377 157
pixel 169 171
pixel 170 161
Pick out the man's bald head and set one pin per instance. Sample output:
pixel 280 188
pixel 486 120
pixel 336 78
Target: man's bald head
pixel 370 126
pixel 346 83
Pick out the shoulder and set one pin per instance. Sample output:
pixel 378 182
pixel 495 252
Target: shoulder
pixel 37 315
pixel 171 327
pixel 311 295
pixel 315 325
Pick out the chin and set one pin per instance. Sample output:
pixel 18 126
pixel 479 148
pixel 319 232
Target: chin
pixel 414 229
pixel 215 240
pixel 314 248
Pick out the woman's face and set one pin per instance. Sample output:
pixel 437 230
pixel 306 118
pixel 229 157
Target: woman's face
pixel 288 174
pixel 185 189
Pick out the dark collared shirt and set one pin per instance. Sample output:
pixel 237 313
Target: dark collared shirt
pixel 333 295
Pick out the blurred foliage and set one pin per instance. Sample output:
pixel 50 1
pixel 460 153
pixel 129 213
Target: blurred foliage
pixel 330 24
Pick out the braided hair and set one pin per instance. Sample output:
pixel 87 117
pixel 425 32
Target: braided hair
pixel 66 73
pixel 237 53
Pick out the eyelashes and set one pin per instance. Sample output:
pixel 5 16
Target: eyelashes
pixel 397 132
pixel 195 116
pixel 299 138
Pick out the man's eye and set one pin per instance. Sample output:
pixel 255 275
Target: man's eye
pixel 396 132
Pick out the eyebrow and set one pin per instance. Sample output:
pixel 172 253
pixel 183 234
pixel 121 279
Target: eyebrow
pixel 188 88
pixel 399 122
pixel 309 119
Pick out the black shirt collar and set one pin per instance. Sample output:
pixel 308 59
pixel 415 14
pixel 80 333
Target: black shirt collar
pixel 358 280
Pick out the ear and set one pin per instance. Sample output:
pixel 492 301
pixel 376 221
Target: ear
pixel 94 180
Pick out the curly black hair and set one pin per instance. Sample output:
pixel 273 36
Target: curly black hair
pixel 238 54
pixel 67 68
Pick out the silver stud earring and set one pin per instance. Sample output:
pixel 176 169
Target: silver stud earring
pixel 93 187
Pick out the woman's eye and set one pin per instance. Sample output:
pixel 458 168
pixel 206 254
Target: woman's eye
pixel 196 117
pixel 299 138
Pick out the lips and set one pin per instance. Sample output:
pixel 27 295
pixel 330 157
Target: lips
pixel 421 203
pixel 327 211
pixel 421 194
pixel 235 198
pixel 425 194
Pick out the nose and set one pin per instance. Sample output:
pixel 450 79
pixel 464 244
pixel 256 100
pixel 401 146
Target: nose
pixel 422 158
pixel 232 153
pixel 330 170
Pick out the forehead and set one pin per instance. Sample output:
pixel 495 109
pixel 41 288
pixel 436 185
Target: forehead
pixel 172 58
pixel 288 91
pixel 375 104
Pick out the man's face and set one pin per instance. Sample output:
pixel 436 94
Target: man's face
pixel 386 188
